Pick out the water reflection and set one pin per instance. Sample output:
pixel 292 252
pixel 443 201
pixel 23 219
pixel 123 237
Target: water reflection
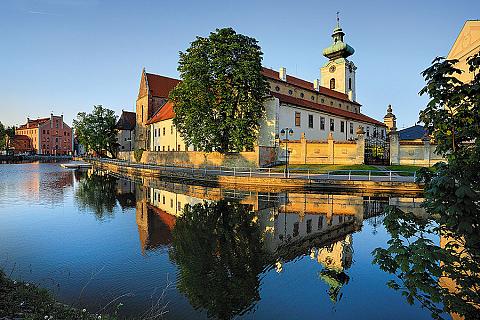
pixel 229 253
pixel 224 241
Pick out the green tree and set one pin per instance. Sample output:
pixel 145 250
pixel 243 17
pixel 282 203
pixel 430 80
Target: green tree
pixel 2 136
pixel 97 130
pixel 452 203
pixel 219 102
pixel 219 251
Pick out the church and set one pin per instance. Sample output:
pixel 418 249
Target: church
pixel 316 110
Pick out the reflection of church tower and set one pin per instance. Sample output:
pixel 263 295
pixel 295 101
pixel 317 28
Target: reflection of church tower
pixel 338 73
pixel 335 258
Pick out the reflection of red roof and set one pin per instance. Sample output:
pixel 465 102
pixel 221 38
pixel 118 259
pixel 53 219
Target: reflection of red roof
pixel 166 218
pixel 272 74
pixel 33 123
pixel 320 107
pixel 160 86
pixel 166 112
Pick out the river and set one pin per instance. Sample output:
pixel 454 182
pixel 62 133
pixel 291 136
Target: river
pixel 192 252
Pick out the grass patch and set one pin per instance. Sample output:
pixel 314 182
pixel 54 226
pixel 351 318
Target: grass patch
pixel 324 168
pixel 27 301
pixel 411 169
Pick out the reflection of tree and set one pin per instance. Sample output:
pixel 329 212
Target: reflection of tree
pixel 219 252
pixel 445 278
pixel 97 193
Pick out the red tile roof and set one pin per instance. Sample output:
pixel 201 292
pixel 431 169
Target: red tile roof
pixel 160 86
pixel 127 121
pixel 320 107
pixel 272 74
pixel 164 113
pixel 33 123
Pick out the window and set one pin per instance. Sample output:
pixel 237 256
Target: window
pixel 155 133
pixel 302 95
pixel 163 148
pixel 295 229
pixel 48 131
pixel 320 223
pixel 342 126
pixel 313 98
pixel 331 103
pixel 163 199
pixel 332 83
pixel 168 148
pixel 178 147
pixel 171 203
pixel 277 88
pixel 348 107
pixel 332 125
pixel 179 205
pixel 383 134
pixel 309 225
pixel 56 139
pixel 290 92
pixel 142 113
pixel 351 128
pixel 310 120
pixel 339 105
pixel 43 131
pixel 322 123
pixel 350 83
pixel 163 130
pixel 171 129
pixel 368 131
pixel 297 119
pixel 322 100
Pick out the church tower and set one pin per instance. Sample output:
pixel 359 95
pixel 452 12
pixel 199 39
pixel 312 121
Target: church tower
pixel 339 73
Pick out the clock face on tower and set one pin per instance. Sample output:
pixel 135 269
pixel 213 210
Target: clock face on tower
pixel 332 69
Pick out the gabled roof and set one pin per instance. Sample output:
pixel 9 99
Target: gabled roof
pixel 412 133
pixel 33 123
pixel 127 121
pixel 160 86
pixel 467 40
pixel 331 110
pixel 272 74
pixel 164 113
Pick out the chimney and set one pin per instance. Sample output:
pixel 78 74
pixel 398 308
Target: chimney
pixel 316 84
pixel 51 120
pixel 61 118
pixel 283 74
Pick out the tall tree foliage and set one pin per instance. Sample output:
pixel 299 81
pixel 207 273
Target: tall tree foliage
pixel 97 131
pixel 219 102
pixel 4 132
pixel 444 278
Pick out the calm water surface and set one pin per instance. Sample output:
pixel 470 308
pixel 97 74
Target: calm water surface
pixel 92 238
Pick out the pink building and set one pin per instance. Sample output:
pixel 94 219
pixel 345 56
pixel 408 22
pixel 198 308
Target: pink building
pixel 49 136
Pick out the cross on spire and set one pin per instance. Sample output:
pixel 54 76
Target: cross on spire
pixel 338 19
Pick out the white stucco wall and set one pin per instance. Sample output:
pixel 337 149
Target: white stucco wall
pixel 285 118
pixel 125 140
pixel 165 137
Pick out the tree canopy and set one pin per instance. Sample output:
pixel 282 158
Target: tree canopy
pixel 97 131
pixel 445 277
pixel 4 132
pixel 219 102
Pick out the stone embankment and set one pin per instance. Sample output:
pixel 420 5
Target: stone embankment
pixel 267 179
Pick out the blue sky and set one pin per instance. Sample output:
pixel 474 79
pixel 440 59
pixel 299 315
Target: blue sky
pixel 67 55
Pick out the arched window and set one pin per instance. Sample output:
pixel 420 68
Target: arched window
pixel 332 83
pixel 350 83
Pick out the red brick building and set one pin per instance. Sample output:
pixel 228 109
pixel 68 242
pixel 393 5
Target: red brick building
pixel 19 144
pixel 49 136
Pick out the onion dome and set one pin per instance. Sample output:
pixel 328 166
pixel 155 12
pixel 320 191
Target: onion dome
pixel 338 49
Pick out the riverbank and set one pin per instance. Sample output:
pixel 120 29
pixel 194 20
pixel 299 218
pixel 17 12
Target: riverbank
pixel 266 179
pixel 22 300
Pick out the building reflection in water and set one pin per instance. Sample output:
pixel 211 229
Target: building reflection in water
pixel 290 225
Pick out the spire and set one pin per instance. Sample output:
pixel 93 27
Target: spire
pixel 339 49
